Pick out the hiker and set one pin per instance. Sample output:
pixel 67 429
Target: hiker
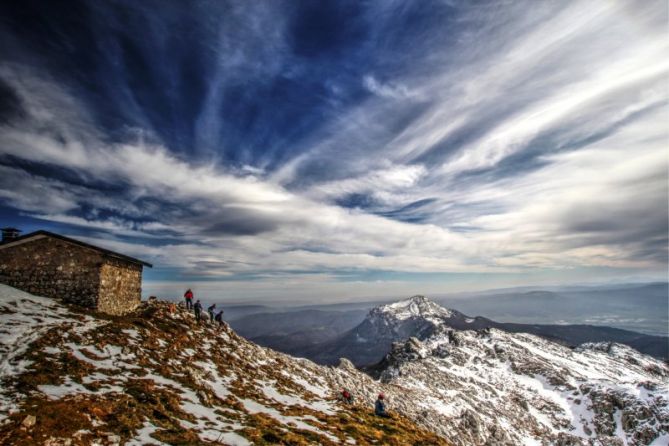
pixel 380 407
pixel 346 396
pixel 188 295
pixel 210 310
pixel 197 309
pixel 219 318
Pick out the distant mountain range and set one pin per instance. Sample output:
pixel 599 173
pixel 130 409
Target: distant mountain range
pixel 327 336
pixel 637 307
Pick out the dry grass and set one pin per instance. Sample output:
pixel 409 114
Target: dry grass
pixel 87 417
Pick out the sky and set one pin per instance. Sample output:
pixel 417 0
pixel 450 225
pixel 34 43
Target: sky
pixel 323 151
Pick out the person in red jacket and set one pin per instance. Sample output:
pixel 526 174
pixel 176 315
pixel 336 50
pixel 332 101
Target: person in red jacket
pixel 346 396
pixel 188 295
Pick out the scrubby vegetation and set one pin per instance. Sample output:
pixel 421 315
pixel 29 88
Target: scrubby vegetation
pixel 157 377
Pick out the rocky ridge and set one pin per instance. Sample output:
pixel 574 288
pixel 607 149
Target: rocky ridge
pixel 494 387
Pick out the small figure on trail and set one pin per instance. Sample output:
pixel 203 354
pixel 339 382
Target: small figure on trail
pixel 197 309
pixel 346 396
pixel 210 310
pixel 380 407
pixel 219 318
pixel 173 308
pixel 188 295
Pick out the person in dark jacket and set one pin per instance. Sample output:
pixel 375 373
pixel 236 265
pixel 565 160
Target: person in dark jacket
pixel 188 295
pixel 219 318
pixel 210 310
pixel 197 309
pixel 380 407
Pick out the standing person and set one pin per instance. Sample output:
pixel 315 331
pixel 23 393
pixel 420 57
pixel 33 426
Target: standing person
pixel 219 318
pixel 210 310
pixel 380 407
pixel 197 308
pixel 188 295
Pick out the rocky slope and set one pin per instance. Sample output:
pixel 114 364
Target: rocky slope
pixel 69 378
pixel 494 387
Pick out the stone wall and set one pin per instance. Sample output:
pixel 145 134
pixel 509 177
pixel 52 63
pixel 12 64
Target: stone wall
pixel 120 286
pixel 53 268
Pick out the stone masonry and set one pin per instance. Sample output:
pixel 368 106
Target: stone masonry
pixel 52 267
pixel 120 286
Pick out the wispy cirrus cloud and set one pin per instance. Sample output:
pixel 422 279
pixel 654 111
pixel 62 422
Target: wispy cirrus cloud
pixel 386 90
pixel 244 142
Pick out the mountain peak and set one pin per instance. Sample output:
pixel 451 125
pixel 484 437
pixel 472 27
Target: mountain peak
pixel 419 298
pixel 415 306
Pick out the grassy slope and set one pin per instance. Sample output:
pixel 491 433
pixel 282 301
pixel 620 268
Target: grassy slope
pixel 129 390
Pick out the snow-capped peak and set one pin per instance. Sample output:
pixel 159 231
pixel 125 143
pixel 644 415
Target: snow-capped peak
pixel 415 306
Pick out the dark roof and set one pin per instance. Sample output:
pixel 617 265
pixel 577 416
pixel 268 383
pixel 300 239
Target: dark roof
pixel 106 252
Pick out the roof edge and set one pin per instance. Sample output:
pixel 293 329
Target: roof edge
pixel 76 242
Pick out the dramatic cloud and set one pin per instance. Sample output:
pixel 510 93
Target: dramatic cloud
pixel 351 148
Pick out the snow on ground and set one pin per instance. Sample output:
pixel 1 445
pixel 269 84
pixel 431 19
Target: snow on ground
pixel 269 389
pixel 209 424
pixel 70 387
pixel 24 318
pixel 321 391
pixel 271 392
pixel 618 421
pixel 523 384
pixel 220 385
pixel 254 407
pixel 662 440
pixel 132 334
pixel 144 438
pixel 233 439
pixel 416 306
pixel 110 358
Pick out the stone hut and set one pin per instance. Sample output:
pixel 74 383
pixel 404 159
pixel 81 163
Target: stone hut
pixel 52 265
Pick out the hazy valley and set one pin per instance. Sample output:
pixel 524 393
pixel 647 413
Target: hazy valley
pixel 571 316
